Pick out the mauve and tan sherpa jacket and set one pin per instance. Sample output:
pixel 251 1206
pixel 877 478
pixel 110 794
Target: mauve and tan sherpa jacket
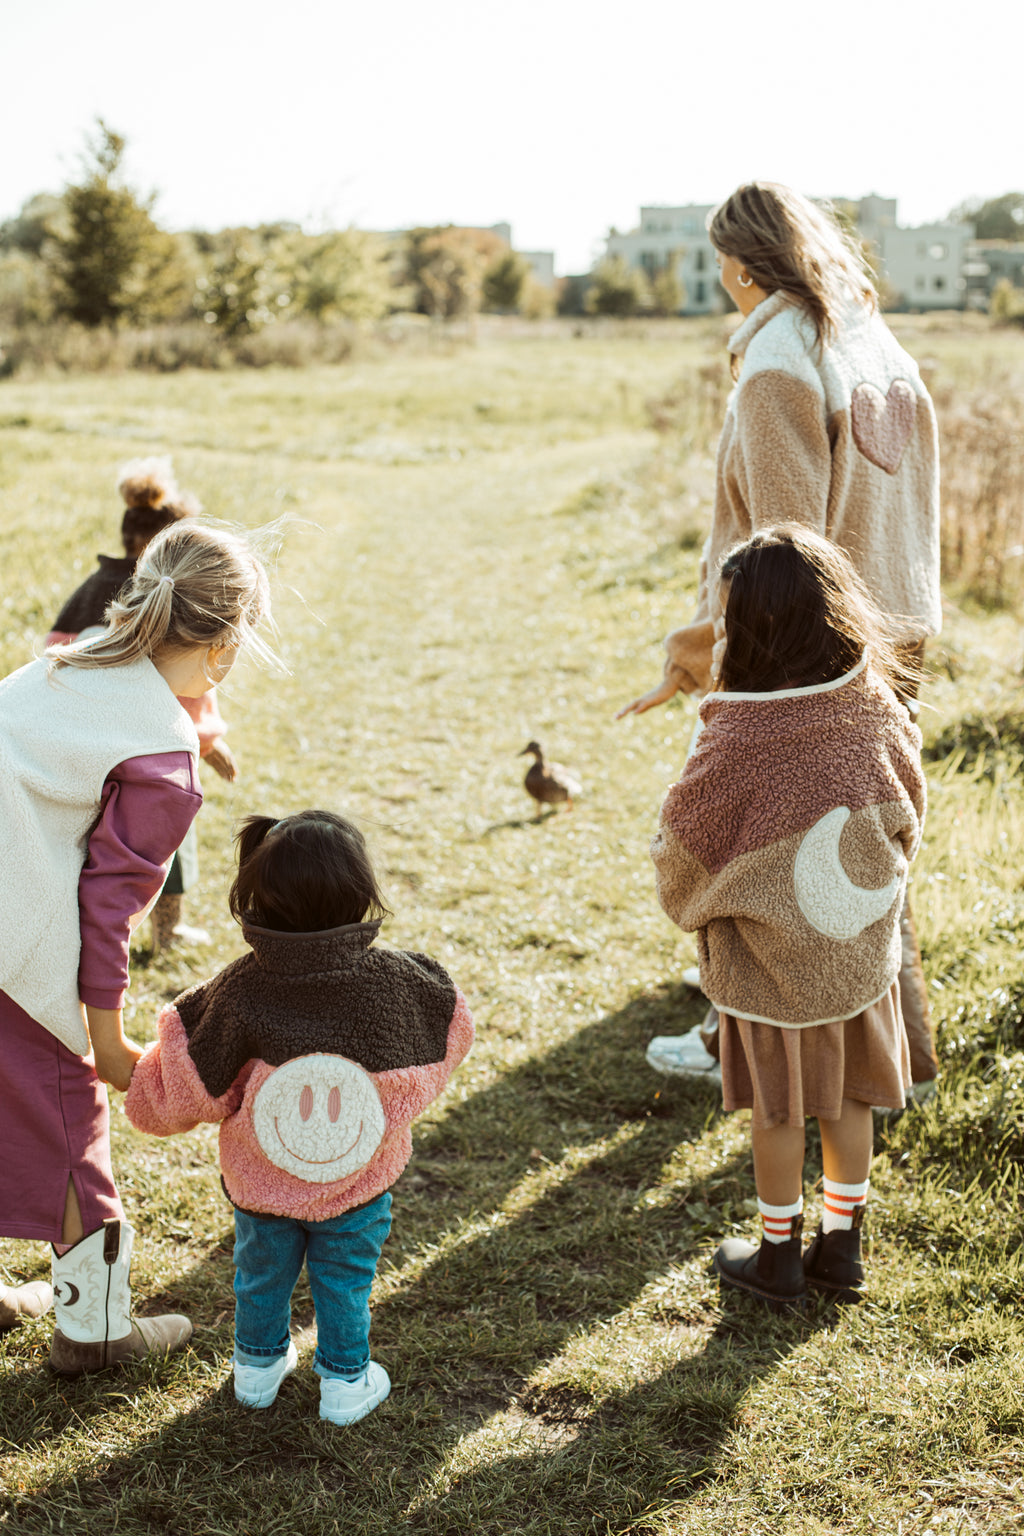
pixel 840 438
pixel 315 1052
pixel 786 845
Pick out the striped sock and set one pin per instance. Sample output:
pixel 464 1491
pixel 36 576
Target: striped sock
pixel 841 1200
pixel 778 1219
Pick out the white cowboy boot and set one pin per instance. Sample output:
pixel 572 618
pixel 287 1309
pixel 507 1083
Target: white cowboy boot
pixel 30 1300
pixel 92 1303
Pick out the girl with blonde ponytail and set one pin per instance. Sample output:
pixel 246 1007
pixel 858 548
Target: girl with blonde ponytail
pixel 152 501
pixel 98 785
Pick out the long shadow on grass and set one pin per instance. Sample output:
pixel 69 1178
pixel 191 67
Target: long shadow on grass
pixel 508 1245
pixel 575 1467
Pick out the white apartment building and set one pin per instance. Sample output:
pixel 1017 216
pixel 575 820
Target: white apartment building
pixel 679 236
pixel 924 268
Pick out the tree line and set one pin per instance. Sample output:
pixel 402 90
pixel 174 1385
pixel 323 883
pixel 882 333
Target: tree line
pixel 96 255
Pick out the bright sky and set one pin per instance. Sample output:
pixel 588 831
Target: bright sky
pixel 558 116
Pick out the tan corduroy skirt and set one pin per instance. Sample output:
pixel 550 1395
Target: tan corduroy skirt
pixel 786 1075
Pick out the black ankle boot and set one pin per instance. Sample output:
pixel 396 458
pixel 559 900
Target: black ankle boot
pixel 772 1272
pixel 832 1263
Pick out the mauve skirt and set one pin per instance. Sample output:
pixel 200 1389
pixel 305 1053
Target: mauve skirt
pixel 786 1075
pixel 54 1125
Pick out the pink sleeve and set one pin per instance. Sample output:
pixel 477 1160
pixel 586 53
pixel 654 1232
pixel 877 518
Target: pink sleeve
pixel 148 805
pixel 205 715
pixel 166 1093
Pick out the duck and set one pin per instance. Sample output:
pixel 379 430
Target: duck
pixel 548 783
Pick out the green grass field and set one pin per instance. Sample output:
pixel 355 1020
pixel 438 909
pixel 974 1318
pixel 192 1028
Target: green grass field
pixel 487 543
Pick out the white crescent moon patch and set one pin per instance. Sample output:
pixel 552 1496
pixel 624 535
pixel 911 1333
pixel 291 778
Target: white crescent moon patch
pixel 825 894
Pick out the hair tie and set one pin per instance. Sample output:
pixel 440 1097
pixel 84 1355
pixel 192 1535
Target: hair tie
pixel 169 580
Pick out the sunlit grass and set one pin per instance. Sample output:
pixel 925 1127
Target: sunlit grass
pixel 482 550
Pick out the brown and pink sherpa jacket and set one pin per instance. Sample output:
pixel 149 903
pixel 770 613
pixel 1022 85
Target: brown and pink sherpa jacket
pixel 315 1053
pixel 786 844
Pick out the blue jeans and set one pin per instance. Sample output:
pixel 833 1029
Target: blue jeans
pixel 341 1259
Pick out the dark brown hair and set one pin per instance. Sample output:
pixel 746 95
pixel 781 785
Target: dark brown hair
pixel 303 874
pixel 788 243
pixel 798 615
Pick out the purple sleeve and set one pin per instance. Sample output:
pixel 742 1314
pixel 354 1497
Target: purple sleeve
pixel 148 805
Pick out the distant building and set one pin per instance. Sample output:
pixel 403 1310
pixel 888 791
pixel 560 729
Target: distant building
pixel 542 264
pixel 873 216
pixel 988 263
pixel 676 236
pixel 924 267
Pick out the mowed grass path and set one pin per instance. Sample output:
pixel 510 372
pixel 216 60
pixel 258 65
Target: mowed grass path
pixel 471 560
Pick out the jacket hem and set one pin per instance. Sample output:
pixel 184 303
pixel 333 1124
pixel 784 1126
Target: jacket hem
pixel 759 1018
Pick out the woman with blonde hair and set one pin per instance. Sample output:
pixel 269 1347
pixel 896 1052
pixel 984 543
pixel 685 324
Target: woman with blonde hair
pixel 831 426
pixel 98 785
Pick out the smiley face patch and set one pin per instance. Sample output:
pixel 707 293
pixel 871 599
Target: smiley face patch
pixel 318 1117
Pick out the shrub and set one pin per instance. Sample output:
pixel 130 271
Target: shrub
pixel 617 289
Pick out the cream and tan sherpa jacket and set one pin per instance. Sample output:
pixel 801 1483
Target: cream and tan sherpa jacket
pixel 786 845
pixel 841 439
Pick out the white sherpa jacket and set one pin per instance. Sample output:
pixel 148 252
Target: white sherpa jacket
pixel 841 439
pixel 60 735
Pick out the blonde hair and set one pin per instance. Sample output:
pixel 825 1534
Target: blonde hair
pixel 194 585
pixel 790 245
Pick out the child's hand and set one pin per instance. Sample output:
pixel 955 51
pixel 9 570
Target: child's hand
pixel 114 1057
pixel 115 1064
pixel 221 760
pixel 666 689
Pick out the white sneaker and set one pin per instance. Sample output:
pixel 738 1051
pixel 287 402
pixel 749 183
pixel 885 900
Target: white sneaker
pixel 256 1385
pixel 185 934
pixel 691 977
pixel 346 1402
pixel 683 1056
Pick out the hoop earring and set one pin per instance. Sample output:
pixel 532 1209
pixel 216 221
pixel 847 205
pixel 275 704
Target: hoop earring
pixel 745 282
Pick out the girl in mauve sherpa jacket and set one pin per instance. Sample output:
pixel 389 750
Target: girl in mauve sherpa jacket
pixel 314 1052
pixel 785 845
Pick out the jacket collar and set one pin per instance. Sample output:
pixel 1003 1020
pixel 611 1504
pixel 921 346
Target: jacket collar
pixel 811 691
pixel 759 316
pixel 305 955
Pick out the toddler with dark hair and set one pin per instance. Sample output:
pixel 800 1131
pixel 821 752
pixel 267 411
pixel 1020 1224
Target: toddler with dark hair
pixel 314 1052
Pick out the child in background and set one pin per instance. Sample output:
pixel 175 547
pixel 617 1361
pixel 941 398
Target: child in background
pixel 98 785
pixel 315 1052
pixel 152 502
pixel 785 845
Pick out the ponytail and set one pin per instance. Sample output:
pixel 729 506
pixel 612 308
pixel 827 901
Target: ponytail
pixel 194 585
